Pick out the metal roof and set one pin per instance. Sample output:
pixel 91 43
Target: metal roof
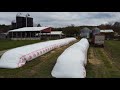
pixel 85 29
pixel 107 30
pixel 28 29
pixel 56 32
pixel 23 15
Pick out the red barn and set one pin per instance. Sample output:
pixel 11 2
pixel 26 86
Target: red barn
pixel 46 30
pixel 28 33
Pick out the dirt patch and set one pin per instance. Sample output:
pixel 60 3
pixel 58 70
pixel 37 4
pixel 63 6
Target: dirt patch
pixel 52 51
pixel 107 56
pixel 57 49
pixel 93 60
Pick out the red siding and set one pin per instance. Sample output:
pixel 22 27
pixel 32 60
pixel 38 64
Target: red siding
pixel 48 30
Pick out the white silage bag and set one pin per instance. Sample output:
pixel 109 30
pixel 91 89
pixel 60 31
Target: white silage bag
pixel 84 44
pixel 70 64
pixel 78 71
pixel 17 57
pixel 67 66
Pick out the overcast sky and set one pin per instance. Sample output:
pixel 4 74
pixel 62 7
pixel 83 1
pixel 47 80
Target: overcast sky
pixel 61 19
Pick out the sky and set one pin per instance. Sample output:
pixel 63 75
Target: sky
pixel 62 19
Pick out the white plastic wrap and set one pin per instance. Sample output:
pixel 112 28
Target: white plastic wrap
pixel 70 64
pixel 17 57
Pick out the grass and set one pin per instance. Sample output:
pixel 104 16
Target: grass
pixel 113 48
pixel 8 44
pixel 40 67
pixel 107 67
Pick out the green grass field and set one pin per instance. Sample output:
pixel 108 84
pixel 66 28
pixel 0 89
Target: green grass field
pixel 8 44
pixel 113 48
pixel 104 62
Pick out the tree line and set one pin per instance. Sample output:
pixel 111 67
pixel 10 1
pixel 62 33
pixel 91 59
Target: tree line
pixel 75 30
pixel 4 28
pixel 72 30
pixel 114 26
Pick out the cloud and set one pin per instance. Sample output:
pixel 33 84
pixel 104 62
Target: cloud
pixel 61 19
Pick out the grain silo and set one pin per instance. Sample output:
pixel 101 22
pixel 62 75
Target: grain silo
pixel 95 31
pixel 85 32
pixel 23 20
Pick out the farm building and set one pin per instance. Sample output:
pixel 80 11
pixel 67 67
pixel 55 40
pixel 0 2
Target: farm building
pixel 51 35
pixel 3 35
pixel 28 33
pixel 85 32
pixel 34 33
pixel 109 33
pixel 95 31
